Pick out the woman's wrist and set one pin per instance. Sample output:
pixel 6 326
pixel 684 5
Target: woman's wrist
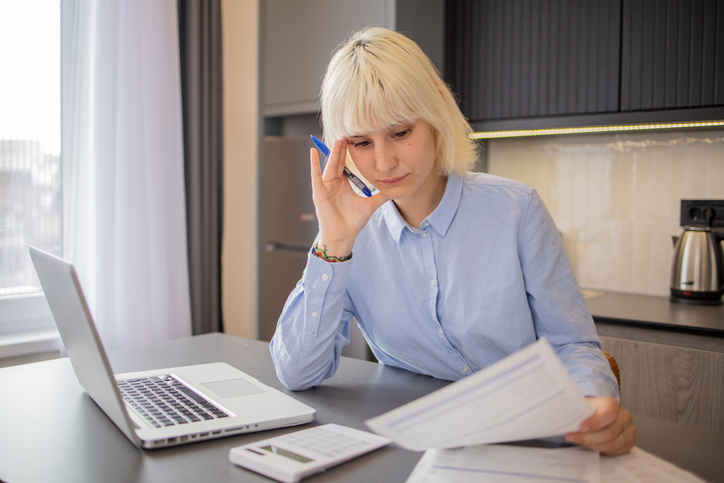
pixel 328 255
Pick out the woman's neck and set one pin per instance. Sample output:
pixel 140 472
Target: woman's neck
pixel 419 206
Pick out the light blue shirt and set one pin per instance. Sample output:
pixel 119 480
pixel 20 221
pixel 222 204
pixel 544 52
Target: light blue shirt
pixel 484 276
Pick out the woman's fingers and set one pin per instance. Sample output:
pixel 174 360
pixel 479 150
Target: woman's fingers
pixel 335 163
pixel 620 444
pixel 609 430
pixel 315 169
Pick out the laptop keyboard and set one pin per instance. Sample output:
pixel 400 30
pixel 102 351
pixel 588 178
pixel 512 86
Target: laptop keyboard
pixel 165 401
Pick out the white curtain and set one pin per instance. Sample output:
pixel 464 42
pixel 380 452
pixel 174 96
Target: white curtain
pixel 123 174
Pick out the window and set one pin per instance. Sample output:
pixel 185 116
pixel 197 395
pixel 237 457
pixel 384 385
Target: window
pixel 30 190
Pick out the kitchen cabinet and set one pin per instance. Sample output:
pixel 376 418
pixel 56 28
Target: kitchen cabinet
pixel 672 54
pixel 671 356
pixel 535 58
pixel 298 39
pixel 641 60
pixel 297 42
pixel 667 382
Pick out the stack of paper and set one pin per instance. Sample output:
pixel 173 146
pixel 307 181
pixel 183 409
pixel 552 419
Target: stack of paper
pixel 527 395
pixel 507 463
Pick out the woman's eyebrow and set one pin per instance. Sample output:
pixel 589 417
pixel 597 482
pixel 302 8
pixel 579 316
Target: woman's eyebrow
pixel 402 123
pixel 391 127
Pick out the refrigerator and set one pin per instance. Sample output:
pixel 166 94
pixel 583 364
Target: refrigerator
pixel 288 228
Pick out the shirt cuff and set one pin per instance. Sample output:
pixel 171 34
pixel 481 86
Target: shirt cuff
pixel 321 277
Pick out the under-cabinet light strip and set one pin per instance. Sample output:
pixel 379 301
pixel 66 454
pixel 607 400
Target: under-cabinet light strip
pixel 593 129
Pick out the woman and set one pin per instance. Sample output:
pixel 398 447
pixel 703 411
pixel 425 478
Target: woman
pixel 444 270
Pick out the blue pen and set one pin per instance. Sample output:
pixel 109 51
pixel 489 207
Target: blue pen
pixel 349 174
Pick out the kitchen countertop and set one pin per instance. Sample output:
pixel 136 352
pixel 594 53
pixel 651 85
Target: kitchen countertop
pixel 650 311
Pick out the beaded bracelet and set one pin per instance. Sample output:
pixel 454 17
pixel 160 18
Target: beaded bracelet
pixel 329 258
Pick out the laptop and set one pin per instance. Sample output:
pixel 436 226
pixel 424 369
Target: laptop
pixel 164 407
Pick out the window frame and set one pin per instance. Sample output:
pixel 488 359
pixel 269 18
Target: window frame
pixel 25 312
pixel 27 325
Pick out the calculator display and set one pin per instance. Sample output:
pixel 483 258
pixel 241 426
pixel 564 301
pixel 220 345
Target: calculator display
pixel 286 454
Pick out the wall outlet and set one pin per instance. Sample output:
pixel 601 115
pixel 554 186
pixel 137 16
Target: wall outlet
pixel 695 212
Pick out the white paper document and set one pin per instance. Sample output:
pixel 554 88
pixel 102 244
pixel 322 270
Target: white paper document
pixel 507 464
pixel 499 463
pixel 527 395
pixel 638 466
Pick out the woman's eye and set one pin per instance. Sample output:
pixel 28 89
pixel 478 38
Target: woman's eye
pixel 359 144
pixel 402 134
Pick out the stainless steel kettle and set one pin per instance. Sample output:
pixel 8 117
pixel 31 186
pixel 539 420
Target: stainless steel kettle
pixel 697 274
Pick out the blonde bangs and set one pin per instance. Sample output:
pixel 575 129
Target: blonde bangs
pixel 363 103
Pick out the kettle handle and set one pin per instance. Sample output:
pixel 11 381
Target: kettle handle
pixel 709 213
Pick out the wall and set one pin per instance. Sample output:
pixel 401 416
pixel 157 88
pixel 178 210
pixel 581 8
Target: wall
pixel 616 197
pixel 240 24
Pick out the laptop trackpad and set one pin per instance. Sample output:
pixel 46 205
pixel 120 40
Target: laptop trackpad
pixel 233 388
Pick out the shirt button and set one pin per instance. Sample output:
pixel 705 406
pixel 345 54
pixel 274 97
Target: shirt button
pixel 315 314
pixel 426 224
pixel 466 369
pixel 325 277
pixel 424 235
pixel 433 282
pixel 441 332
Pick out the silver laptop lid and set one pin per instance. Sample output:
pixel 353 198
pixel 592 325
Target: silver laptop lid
pixel 85 350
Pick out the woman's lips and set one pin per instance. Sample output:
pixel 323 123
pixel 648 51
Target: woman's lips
pixel 391 181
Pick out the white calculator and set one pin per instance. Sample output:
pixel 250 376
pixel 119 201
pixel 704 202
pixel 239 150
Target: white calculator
pixel 293 456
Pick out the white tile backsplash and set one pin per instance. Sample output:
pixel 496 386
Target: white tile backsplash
pixel 616 197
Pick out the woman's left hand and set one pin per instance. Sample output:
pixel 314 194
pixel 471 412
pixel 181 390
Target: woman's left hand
pixel 610 430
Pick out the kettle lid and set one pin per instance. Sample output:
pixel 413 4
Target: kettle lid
pixel 696 228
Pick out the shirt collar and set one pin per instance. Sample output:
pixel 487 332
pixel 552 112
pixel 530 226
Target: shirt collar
pixel 439 219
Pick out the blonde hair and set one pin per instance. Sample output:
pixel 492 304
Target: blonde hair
pixel 379 78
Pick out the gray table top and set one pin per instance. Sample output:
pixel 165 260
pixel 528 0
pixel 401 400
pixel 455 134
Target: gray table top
pixel 69 439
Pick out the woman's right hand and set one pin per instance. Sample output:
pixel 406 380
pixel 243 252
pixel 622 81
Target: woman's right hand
pixel 341 212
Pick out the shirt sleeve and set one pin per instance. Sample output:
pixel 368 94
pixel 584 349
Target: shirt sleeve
pixel 560 313
pixel 313 327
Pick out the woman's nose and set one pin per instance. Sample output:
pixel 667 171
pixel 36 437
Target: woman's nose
pixel 385 158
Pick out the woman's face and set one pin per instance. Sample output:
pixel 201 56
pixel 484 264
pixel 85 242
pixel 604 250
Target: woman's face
pixel 398 161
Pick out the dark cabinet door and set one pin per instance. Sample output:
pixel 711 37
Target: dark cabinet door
pixel 527 58
pixel 672 54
